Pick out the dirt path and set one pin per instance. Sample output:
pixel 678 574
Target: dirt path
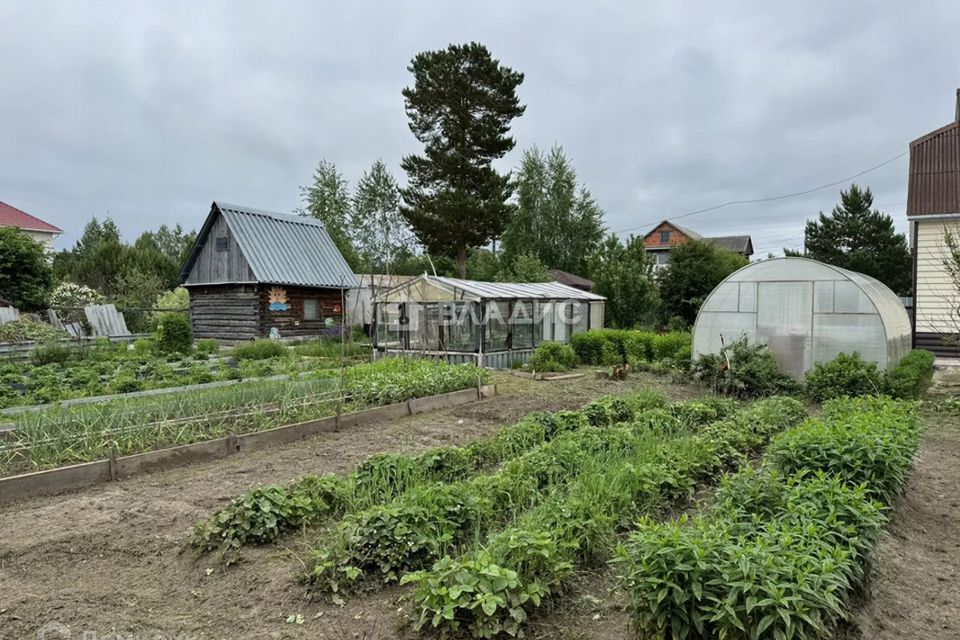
pixel 915 591
pixel 112 559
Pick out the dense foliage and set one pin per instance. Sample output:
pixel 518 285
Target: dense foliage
pixel 455 199
pixel 912 376
pixel 622 272
pixel 553 357
pixel 26 279
pixel 694 270
pixel 173 334
pixel 845 375
pixel 614 346
pixel 743 370
pixel 557 221
pixel 783 548
pixel 260 349
pixel 858 237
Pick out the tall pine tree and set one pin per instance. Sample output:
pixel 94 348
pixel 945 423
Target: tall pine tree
pixel 858 237
pixel 460 107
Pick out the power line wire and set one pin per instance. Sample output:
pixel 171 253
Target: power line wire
pixel 784 196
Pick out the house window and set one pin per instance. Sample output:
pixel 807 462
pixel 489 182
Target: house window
pixel 664 237
pixel 223 243
pixel 311 309
pixel 663 257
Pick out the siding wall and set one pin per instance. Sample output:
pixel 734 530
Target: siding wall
pixel 229 313
pixel 214 266
pixel 937 299
pixel 291 322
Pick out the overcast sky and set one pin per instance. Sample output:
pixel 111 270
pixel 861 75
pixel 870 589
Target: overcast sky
pixel 148 111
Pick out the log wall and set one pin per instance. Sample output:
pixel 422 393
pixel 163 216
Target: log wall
pixel 291 322
pixel 229 313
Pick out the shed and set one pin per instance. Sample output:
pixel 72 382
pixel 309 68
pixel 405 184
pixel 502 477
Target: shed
pixel 807 312
pixel 254 273
pixel 494 324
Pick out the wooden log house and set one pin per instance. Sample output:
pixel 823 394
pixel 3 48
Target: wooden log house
pixel 254 274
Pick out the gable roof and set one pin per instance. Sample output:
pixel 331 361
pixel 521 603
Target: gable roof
pixel 280 248
pixel 693 235
pixel 738 244
pixel 571 279
pixel 934 180
pixel 12 217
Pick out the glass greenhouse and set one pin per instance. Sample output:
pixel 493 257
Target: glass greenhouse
pixel 493 324
pixel 807 312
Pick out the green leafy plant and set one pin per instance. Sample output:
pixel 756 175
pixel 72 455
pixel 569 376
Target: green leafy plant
pixel 912 375
pixel 743 370
pixel 173 334
pixel 845 375
pixel 553 357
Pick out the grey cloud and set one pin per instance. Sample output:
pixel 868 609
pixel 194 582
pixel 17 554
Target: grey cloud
pixel 149 111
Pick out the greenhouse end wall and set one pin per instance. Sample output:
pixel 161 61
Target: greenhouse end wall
pixel 806 312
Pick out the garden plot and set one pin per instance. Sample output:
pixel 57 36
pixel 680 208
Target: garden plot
pixel 81 433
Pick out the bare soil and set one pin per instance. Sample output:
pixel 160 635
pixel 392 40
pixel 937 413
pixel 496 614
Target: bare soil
pixel 113 559
pixel 914 590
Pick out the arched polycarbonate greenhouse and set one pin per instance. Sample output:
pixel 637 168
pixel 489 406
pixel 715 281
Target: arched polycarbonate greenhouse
pixel 807 312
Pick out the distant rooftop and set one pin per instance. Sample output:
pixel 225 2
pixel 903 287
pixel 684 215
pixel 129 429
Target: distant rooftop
pixel 10 216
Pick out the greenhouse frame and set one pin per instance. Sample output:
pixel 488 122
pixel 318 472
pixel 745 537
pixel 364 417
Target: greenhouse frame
pixel 492 324
pixel 806 312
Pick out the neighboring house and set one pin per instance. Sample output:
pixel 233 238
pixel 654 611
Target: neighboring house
pixel 933 209
pixel 572 280
pixel 42 232
pixel 254 273
pixel 666 235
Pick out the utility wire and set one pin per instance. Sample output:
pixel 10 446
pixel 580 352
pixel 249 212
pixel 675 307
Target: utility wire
pixel 784 196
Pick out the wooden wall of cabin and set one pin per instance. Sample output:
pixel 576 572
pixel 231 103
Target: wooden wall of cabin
pixel 291 321
pixel 229 313
pixel 220 259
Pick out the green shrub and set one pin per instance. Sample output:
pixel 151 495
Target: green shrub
pixel 668 345
pixel 869 441
pixel 553 357
pixel 391 380
pixel 52 352
pixel 261 514
pixel 173 333
pixel 845 375
pixel 752 371
pixel 206 347
pixel 912 375
pixel 260 349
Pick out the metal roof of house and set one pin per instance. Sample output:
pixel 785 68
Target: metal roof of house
pixel 476 290
pixel 739 244
pixel 934 179
pixel 280 248
pixel 12 217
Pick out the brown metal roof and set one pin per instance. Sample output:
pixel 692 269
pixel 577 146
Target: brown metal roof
pixel 934 186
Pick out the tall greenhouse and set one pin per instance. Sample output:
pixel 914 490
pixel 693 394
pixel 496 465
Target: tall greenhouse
pixel 492 324
pixel 806 312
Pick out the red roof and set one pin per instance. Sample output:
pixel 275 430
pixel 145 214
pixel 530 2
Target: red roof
pixel 13 217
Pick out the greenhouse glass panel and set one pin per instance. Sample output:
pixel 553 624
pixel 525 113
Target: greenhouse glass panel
pixel 522 325
pixel 807 312
pixel 498 327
